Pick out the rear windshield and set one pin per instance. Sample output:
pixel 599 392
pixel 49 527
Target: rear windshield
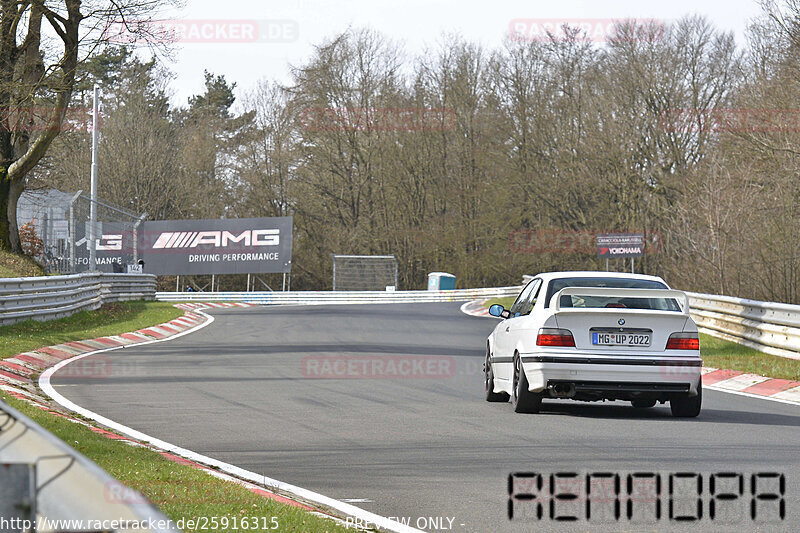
pixel 661 304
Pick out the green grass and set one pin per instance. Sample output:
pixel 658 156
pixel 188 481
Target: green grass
pixel 179 491
pixel 111 319
pixel 15 266
pixel 718 353
pixel 505 302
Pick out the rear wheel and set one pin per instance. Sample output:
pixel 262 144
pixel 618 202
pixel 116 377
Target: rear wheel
pixel 523 400
pixel 643 403
pixel 687 406
pixel 488 381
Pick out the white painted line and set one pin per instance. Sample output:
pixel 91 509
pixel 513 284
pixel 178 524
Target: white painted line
pixel 304 494
pixel 751 395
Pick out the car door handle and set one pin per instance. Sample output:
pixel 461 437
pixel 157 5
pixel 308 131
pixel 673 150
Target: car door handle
pixel 507 328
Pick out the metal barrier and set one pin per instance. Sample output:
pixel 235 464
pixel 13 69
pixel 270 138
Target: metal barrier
pixel 47 482
pixel 338 297
pixel 772 328
pixel 51 297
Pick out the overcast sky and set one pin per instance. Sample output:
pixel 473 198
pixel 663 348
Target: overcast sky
pixel 288 29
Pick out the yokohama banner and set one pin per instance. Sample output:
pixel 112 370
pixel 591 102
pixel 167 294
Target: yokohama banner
pixel 218 246
pixel 612 245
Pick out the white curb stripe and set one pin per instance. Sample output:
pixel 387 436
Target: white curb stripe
pixel 740 382
pixel 792 395
pixel 305 494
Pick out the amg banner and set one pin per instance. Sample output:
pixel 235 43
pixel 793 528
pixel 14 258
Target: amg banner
pixel 113 247
pixel 217 246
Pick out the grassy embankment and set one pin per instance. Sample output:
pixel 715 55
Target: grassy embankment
pixel 13 266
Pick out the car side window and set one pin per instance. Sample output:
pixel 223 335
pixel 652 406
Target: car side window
pixel 527 306
pixel 522 298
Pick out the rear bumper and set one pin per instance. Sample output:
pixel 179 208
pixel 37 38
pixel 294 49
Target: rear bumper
pixel 614 375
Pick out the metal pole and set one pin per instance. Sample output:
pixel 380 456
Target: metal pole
pixel 212 282
pixel 93 201
pixel 136 238
pixel 72 264
pixel 632 268
pixel 178 283
pixel 607 264
pixel 248 283
pixel 283 283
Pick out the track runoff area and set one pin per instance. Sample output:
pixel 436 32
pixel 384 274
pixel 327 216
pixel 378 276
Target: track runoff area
pixel 381 407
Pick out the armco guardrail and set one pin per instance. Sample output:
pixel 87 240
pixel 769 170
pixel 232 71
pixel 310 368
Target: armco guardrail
pixel 338 297
pixel 51 297
pixel 769 327
pixel 44 480
pixel 772 328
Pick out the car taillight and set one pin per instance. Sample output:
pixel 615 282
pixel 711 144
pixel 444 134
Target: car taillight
pixel 555 337
pixel 683 341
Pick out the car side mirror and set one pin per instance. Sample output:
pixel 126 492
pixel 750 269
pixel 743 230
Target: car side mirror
pixel 498 311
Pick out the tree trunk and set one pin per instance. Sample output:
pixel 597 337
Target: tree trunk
pixel 10 192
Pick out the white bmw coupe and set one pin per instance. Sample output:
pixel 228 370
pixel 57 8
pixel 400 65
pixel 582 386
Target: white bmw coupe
pixel 595 336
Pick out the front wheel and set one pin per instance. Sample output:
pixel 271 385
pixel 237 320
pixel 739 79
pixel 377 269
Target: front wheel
pixel 687 406
pixel 488 381
pixel 523 400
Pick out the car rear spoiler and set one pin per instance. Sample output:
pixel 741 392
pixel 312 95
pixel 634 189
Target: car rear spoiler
pixel 610 292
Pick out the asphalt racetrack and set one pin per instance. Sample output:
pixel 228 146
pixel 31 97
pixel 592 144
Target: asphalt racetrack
pixel 383 405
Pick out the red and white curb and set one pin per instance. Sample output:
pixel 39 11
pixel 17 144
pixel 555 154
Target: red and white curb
pixel 753 385
pixel 19 369
pixel 52 359
pixel 476 308
pixel 189 306
pixel 731 381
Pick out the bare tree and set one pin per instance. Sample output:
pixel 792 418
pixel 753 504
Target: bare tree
pixel 40 51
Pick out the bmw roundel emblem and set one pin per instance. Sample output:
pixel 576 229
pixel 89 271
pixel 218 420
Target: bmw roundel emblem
pixel 621 321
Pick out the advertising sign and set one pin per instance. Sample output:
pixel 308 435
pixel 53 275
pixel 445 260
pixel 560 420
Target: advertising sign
pixel 217 246
pixel 611 245
pixel 113 245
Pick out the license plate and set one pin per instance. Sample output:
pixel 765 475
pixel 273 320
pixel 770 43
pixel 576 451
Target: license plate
pixel 602 338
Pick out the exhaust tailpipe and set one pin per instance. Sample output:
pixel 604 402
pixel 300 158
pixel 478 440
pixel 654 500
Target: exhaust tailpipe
pixel 562 390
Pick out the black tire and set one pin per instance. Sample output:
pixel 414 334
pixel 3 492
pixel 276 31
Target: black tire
pixel 687 406
pixel 488 382
pixel 523 400
pixel 643 403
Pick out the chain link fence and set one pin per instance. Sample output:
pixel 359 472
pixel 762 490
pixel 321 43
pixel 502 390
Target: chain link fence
pixel 364 272
pixel 54 229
